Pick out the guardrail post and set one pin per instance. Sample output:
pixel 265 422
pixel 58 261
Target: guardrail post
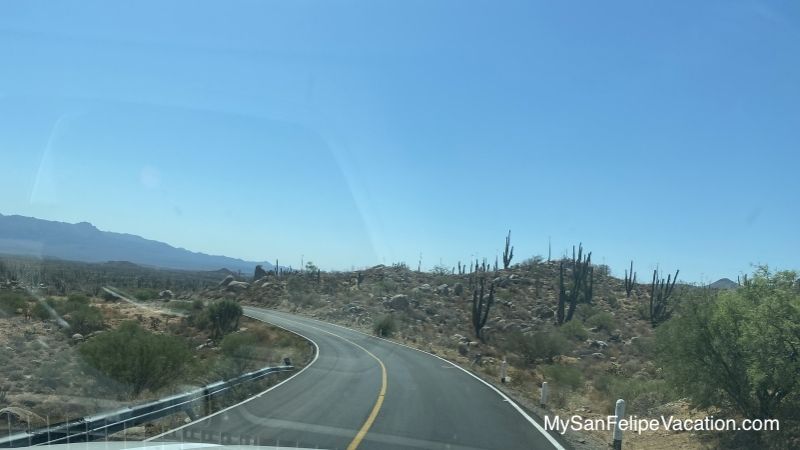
pixel 545 394
pixel 619 411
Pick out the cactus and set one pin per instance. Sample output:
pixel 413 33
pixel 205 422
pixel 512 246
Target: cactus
pixel 630 281
pixel 481 304
pixel 359 278
pixel 508 252
pixel 582 274
pixel 660 292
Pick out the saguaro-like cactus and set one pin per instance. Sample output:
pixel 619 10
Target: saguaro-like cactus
pixel 660 292
pixel 508 252
pixel 630 281
pixel 582 285
pixel 481 304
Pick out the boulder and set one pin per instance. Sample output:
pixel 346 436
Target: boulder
pixel 225 281
pixel 425 287
pixel 597 344
pixel 443 289
pixel 77 337
pixel 259 273
pixel 237 286
pixel 166 294
pixel 398 302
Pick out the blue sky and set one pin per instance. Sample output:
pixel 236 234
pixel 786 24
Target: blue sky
pixel 358 133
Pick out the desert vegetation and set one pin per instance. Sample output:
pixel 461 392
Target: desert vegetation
pixel 595 338
pixel 72 355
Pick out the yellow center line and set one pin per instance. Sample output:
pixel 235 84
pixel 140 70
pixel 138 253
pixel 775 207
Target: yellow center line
pixel 381 395
pixel 375 409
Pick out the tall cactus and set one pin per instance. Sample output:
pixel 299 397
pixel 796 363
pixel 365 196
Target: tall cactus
pixel 582 289
pixel 481 304
pixel 508 252
pixel 660 292
pixel 630 281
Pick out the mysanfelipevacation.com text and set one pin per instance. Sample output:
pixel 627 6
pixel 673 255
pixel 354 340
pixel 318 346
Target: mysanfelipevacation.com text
pixel 640 425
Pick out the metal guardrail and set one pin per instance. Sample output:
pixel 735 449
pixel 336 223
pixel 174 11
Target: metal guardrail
pixel 101 425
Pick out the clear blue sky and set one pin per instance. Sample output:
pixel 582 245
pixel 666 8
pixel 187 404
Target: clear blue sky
pixel 367 132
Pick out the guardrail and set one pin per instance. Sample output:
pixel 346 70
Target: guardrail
pixel 99 426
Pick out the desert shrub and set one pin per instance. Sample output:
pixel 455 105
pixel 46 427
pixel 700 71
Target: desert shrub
pixel 640 395
pixel 247 350
pixel 297 285
pixel 11 301
pixel 77 300
pixel 737 350
pixel 301 298
pixel 85 320
pixel 612 301
pixel 574 330
pixel 385 286
pixel 222 318
pixel 542 345
pixel 385 326
pixel 137 358
pixel 584 311
pixel 42 311
pixel 145 294
pixel 197 304
pixel 568 377
pixel 603 321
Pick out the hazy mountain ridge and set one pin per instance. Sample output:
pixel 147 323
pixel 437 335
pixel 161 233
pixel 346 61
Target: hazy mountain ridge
pixel 83 241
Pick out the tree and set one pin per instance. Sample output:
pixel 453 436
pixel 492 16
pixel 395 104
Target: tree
pixel 137 358
pixel 739 349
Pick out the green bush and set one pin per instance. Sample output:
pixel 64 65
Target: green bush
pixel 603 321
pixel 197 304
pixel 574 330
pixel 584 311
pixel 385 326
pixel 137 358
pixel 738 349
pixel 540 345
pixel 569 377
pixel 11 301
pixel 77 300
pixel 85 320
pixel 222 318
pixel 145 294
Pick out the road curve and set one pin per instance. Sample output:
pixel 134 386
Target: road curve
pixel 368 393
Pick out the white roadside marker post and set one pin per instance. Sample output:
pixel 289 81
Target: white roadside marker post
pixel 545 394
pixel 619 411
pixel 503 371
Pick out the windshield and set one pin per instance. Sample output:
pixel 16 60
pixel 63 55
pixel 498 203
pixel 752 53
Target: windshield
pixel 400 225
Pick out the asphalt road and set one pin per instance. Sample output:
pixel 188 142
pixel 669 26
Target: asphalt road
pixel 367 393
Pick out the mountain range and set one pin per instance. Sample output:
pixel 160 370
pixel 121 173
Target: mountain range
pixel 82 241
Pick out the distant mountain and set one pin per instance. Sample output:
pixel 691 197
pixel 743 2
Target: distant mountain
pixel 724 283
pixel 84 242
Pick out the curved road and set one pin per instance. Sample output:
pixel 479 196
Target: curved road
pixel 368 393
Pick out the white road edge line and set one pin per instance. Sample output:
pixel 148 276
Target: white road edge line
pixel 316 355
pixel 549 437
